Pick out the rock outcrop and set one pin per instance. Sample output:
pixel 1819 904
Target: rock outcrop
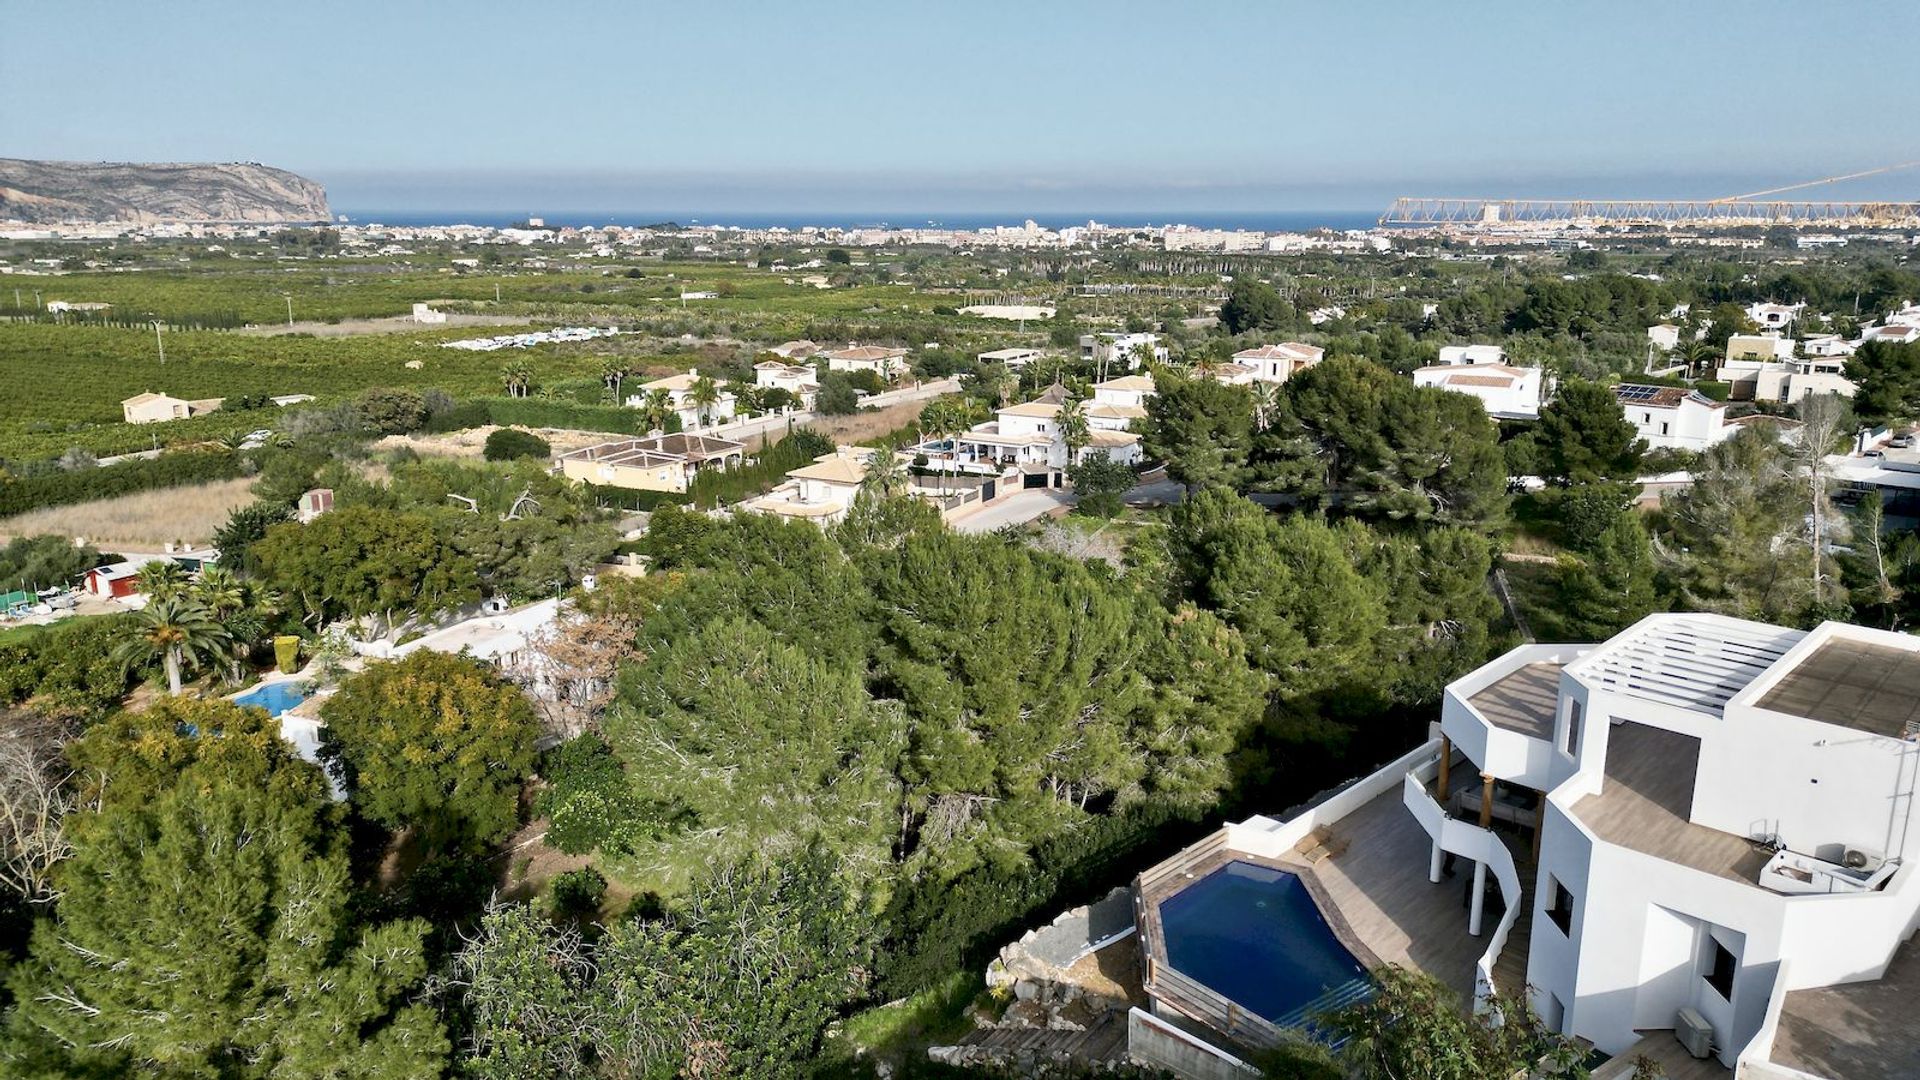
pixel 49 192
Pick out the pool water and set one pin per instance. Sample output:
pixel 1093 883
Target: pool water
pixel 1254 935
pixel 275 697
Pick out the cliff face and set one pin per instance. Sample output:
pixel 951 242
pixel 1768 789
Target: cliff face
pixel 45 192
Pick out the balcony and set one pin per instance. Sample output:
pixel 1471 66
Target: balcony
pixel 1490 855
pixel 1502 716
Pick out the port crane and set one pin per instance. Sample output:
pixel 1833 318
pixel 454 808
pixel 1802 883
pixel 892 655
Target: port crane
pixel 1751 208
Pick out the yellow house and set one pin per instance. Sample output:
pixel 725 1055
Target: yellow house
pixel 659 463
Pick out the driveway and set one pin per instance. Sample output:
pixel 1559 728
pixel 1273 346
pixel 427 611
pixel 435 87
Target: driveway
pixel 1015 509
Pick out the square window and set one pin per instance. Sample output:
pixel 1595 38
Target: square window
pixel 1559 906
pixel 1720 972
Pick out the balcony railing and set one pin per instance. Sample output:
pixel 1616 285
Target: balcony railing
pixel 1471 842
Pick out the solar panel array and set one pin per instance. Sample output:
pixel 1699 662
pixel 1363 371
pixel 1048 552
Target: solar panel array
pixel 1637 392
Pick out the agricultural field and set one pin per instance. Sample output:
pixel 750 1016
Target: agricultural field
pixel 143 521
pixel 61 384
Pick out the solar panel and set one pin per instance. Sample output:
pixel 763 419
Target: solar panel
pixel 1636 392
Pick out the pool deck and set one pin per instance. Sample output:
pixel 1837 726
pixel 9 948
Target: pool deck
pixel 1373 892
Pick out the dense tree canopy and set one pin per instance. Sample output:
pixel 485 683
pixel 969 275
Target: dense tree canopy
pixel 1353 436
pixel 1200 427
pixel 432 741
pixel 364 563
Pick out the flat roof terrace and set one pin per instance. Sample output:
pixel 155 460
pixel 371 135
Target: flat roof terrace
pixel 1871 688
pixel 1646 799
pixel 1523 700
pixel 1862 1031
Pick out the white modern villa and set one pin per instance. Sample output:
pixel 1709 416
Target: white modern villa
pixel 1692 841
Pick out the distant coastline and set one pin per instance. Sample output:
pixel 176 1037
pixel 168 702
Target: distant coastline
pixel 1252 221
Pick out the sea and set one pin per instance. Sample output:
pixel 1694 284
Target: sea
pixel 1252 221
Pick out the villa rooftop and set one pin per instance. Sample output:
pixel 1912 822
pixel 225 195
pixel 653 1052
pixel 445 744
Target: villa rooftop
pixel 1862 1030
pixel 1695 662
pixel 1871 688
pixel 1647 797
pixel 1523 700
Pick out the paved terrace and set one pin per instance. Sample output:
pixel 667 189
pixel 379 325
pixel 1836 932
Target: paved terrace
pixel 1524 700
pixel 1871 688
pixel 1645 801
pixel 1861 1031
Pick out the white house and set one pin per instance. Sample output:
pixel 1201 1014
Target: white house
pixel 1673 417
pixel 1127 391
pixel 1277 363
pixel 1506 392
pixel 888 363
pixel 1786 381
pixel 1015 358
pixel 800 380
pixel 1719 817
pixel 821 492
pixel 680 397
pixel 1466 355
pixel 1107 350
pixel 150 408
pixel 1892 334
pixel 1774 316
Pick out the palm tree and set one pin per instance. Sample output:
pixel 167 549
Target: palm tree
pixel 656 408
pixel 225 597
pixel 1074 430
pixel 163 579
pixel 517 377
pixel 1266 396
pixel 886 475
pixel 178 631
pixel 613 372
pixel 704 394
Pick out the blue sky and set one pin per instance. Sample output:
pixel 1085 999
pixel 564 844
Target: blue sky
pixel 1038 106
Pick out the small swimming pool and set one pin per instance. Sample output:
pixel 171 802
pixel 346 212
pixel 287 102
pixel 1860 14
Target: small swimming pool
pixel 275 697
pixel 1254 934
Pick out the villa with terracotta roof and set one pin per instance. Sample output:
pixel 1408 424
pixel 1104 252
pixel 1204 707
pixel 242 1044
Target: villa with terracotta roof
pixel 151 408
pixel 1270 363
pixel 888 363
pixel 680 395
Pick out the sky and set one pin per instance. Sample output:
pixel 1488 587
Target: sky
pixel 1034 107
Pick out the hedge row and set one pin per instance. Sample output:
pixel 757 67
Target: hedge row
pixel 18 495
pixel 539 413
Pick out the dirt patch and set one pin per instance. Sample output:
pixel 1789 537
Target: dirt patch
pixel 528 864
pixel 471 443
pixel 859 427
pixel 145 520
pixel 1113 972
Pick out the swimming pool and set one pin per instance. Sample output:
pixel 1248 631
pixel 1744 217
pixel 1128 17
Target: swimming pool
pixel 1254 935
pixel 275 697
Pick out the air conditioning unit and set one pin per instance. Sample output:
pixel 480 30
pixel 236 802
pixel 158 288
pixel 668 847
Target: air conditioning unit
pixel 1694 1033
pixel 1863 860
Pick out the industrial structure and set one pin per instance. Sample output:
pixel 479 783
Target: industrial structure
pixel 1730 211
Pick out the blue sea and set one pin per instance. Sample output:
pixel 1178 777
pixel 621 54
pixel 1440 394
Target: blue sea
pixel 1254 221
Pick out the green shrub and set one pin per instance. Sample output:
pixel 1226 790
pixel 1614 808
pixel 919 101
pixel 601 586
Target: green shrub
pixel 510 444
pixel 286 653
pixel 577 894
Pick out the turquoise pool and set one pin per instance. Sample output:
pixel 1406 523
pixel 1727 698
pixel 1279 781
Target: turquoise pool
pixel 1254 935
pixel 276 697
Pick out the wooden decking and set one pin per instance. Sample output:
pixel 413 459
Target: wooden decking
pixel 1523 700
pixel 1673 1060
pixel 1645 801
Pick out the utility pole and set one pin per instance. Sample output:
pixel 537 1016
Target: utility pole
pixel 496 292
pixel 159 344
pixel 289 297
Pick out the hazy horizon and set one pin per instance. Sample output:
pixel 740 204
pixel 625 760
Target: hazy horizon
pixel 990 107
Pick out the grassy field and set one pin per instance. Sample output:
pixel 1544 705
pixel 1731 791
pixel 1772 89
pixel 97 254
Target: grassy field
pixel 144 521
